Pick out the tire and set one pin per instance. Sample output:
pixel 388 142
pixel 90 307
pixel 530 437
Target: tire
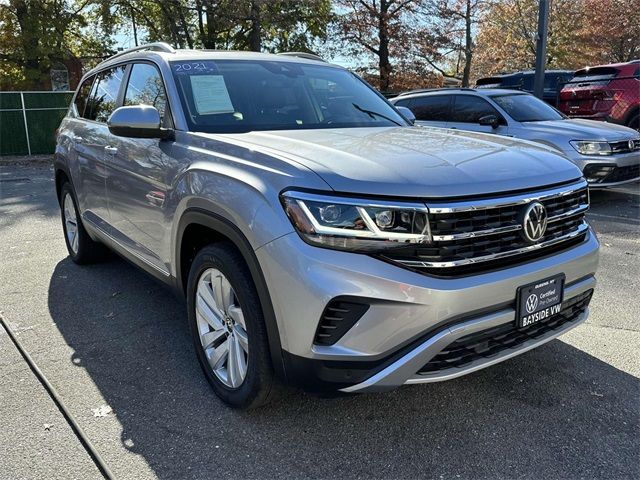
pixel 82 249
pixel 215 322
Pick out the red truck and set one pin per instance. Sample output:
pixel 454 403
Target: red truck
pixel 606 92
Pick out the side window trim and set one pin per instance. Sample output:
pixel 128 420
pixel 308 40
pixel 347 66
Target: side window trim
pixel 168 115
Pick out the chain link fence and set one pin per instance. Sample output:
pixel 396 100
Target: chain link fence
pixel 28 121
pixel 615 100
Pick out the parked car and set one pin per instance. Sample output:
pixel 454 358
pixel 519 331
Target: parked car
pixel 606 92
pixel 553 81
pixel 608 155
pixel 318 237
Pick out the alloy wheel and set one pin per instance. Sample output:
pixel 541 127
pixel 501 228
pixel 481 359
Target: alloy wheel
pixel 221 327
pixel 71 222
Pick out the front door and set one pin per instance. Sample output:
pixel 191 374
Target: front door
pixel 139 175
pixel 469 109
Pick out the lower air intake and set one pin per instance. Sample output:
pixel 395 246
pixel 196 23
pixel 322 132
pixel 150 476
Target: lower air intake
pixel 338 317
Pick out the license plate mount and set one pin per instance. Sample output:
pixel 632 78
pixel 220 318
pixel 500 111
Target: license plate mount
pixel 539 300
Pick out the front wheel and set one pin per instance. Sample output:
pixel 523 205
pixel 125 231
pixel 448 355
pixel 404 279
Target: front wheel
pixel 228 329
pixel 635 122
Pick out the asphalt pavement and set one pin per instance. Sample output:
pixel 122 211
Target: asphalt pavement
pixel 116 346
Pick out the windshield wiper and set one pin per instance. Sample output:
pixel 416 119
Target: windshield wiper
pixel 374 114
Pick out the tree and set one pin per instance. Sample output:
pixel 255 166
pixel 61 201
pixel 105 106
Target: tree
pixel 446 38
pixel 272 25
pixel 380 28
pixel 581 33
pixel 612 30
pixel 36 34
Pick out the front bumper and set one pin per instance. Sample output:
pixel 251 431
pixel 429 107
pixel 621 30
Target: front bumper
pixel 411 315
pixel 620 168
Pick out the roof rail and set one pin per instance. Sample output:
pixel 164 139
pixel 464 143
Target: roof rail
pixel 437 89
pixel 156 47
pixel 308 56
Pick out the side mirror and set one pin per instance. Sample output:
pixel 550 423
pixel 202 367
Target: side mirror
pixel 491 120
pixel 137 121
pixel 408 114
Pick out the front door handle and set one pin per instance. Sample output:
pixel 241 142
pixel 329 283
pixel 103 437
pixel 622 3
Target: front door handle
pixel 111 150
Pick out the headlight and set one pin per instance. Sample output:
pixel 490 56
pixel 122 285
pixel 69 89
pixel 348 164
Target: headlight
pixel 591 148
pixel 356 224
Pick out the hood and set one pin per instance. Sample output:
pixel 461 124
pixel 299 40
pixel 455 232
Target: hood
pixel 580 129
pixel 413 161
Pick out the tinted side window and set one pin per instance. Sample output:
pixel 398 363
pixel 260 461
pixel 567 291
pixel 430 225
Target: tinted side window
pixel 403 103
pixel 433 108
pixel 145 87
pixel 83 95
pixel 104 94
pixel 469 109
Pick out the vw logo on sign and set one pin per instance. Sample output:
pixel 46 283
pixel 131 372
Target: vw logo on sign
pixel 534 223
pixel 531 303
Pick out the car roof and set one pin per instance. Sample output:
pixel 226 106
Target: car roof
pixel 166 53
pixel 524 72
pixel 611 65
pixel 484 92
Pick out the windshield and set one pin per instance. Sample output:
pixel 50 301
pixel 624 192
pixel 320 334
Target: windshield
pixel 230 96
pixel 527 108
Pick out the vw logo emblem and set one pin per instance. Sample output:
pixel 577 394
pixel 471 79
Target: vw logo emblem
pixel 631 144
pixel 534 223
pixel 531 303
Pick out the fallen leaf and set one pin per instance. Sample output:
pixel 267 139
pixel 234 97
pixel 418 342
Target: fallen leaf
pixel 102 411
pixel 115 294
pixel 607 244
pixel 110 315
pixel 47 426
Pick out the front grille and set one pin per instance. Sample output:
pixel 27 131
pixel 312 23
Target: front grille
pixel 491 342
pixel 470 236
pixel 625 147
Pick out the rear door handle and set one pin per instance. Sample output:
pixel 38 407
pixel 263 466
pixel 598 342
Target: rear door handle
pixel 111 150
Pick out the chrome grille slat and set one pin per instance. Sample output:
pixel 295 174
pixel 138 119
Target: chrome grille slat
pixel 475 239
pixel 483 204
pixel 536 246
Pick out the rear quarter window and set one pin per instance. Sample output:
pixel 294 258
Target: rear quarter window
pixel 83 95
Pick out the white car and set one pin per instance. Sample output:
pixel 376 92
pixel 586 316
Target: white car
pixel 607 154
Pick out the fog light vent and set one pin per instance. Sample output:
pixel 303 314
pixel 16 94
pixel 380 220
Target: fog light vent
pixel 338 317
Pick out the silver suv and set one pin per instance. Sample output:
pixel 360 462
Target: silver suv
pixel 318 237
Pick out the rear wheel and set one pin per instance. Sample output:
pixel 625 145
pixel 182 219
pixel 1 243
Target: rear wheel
pixel 82 249
pixel 228 329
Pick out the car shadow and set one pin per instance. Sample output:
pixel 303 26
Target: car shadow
pixel 555 411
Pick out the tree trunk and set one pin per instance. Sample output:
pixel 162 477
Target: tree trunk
pixel 383 50
pixel 468 46
pixel 133 24
pixel 255 33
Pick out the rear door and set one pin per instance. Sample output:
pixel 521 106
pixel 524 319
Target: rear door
pixel 90 140
pixel 469 109
pixel 139 175
pixel 431 110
